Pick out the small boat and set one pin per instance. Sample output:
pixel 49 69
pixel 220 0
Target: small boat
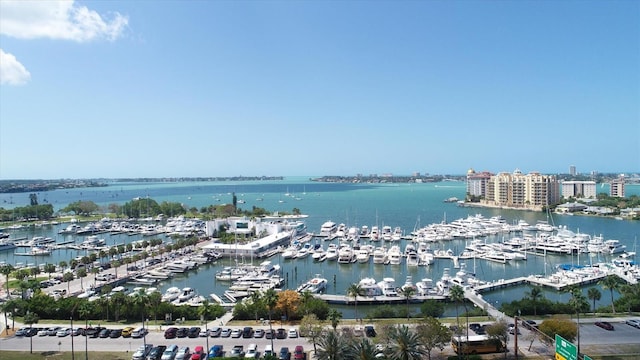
pixel 171 294
pixel 186 294
pixel 315 286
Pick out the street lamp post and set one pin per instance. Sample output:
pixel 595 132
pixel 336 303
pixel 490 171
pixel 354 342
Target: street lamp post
pixel 72 350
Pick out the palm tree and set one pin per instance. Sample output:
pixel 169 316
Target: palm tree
pixel 81 273
pixel 30 318
pixel 68 277
pixel 85 311
pixel 362 350
pixel 611 282
pixel 354 290
pixel 49 269
pixel 408 292
pixel 305 299
pixel 332 347
pixel 534 295
pixel 595 295
pixel 577 303
pixel 205 311
pixel 405 344
pixel 270 300
pixel 456 294
pixel 5 270
pixel 335 316
pixel 256 298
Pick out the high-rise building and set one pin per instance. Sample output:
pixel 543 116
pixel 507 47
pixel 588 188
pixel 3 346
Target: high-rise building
pixel 477 182
pixel 579 189
pixel 617 187
pixel 531 191
pixel 572 170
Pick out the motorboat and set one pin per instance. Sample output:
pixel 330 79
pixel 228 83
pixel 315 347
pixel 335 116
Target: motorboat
pixel 370 287
pixel 345 254
pixel 388 287
pixel 186 294
pixel 171 294
pixel 332 252
pixel 315 286
pixel 380 255
pixel 363 255
pixel 394 255
pixel 425 287
pixel 328 229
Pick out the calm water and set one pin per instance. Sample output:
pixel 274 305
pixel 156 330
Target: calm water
pixel 405 205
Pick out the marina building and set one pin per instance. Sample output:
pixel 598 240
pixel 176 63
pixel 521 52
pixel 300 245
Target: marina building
pixel 516 190
pixel 578 189
pixel 616 188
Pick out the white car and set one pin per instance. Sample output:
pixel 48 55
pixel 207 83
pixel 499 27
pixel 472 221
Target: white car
pixel 293 333
pixel 236 333
pixel 252 352
pixel 633 322
pixel 63 332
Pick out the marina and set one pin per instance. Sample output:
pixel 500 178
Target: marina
pixel 439 244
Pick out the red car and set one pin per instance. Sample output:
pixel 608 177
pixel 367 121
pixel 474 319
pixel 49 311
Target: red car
pixel 299 353
pixel 605 325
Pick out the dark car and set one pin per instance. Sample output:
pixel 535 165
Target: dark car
pixel 281 333
pixel 156 352
pixel 182 332
pixel 247 332
pixel 474 326
pixel 270 334
pixel 605 325
pixel 193 332
pixel 104 333
pixel 115 333
pixel 529 324
pixel 369 331
pixel 170 333
pixel 284 354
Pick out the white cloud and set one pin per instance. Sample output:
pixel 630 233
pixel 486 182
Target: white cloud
pixel 12 72
pixel 60 19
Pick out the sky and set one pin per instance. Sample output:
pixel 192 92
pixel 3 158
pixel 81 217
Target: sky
pixel 112 89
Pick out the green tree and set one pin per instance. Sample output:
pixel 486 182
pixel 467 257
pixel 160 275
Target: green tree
pixel 332 347
pixel 30 318
pixel 270 300
pixel 68 278
pixel 81 273
pixel 49 269
pixel 432 308
pixel 405 344
pixel 595 295
pixel 433 334
pixel 499 333
pixel 363 349
pixel 611 282
pixel 558 325
pixel 456 294
pixel 334 316
pixel 354 290
pixel 311 328
pixel 6 270
pixel 535 295
pixel 408 292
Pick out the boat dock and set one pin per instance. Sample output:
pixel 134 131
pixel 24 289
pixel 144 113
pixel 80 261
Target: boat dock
pixel 374 300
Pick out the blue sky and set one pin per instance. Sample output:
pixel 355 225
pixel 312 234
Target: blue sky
pixel 215 88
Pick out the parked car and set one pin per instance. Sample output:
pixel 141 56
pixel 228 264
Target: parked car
pixel 22 331
pixel 139 332
pixel 270 334
pixel 193 332
pixel 142 352
pixel 63 332
pixel 104 333
pixel 236 333
pixel 237 351
pixel 225 333
pixel 127 331
pixel 298 353
pixel 633 322
pixel 293 333
pixel 605 325
pixel 247 332
pixel 115 333
pixel 284 353
pixel 53 331
pixel 156 352
pixel 170 333
pixel 529 324
pixel 216 351
pixel 268 351
pixel 258 333
pixel 252 351
pixel 198 353
pixel 170 352
pixel 182 332
pixel 184 353
pixel 215 332
pixel 512 329
pixel 281 333
pixel 369 331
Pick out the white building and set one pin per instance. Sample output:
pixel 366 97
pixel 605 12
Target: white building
pixel 579 189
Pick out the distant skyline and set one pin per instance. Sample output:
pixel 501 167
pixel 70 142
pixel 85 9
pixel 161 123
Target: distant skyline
pixel 117 89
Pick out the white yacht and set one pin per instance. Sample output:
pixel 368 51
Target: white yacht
pixel 380 255
pixel 353 234
pixel 369 287
pixel 186 294
pixel 315 286
pixel 614 247
pixel 386 233
pixel 171 294
pixel 388 287
pixel 328 229
pixel 332 252
pixel 394 255
pixel 397 234
pixel 345 254
pixel 363 255
pixel 444 284
pixel 424 287
pixel 374 235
